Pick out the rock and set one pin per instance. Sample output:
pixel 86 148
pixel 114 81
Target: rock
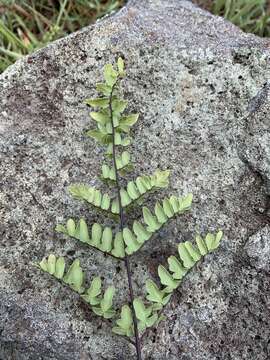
pixel 197 82
pixel 258 249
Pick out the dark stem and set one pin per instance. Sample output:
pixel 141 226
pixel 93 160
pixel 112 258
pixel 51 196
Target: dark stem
pixel 122 224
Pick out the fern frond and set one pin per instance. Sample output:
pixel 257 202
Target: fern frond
pixel 112 129
pixel 101 305
pixel 135 189
pixel 150 314
pixel 189 255
pixel 91 196
pixel 153 222
pixel 98 237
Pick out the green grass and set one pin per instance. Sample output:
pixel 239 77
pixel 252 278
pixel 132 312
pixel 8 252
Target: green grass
pixel 252 16
pixel 28 25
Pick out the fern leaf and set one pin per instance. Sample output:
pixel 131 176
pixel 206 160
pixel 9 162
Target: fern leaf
pixel 201 245
pixel 141 232
pixel 185 203
pixel 96 234
pixel 103 88
pixel 133 191
pixel 110 75
pixel 168 209
pixel 59 268
pixel 125 323
pixel 145 315
pixel 98 102
pixel 150 220
pixel 90 195
pixel 74 276
pixel 131 242
pixel 105 307
pixel 125 198
pixel 84 235
pixel 185 256
pixel 106 241
pixel 101 239
pixel 71 227
pixel 91 295
pixel 118 246
pixel 51 264
pixel 176 267
pixel 193 252
pixel 160 214
pixel 189 254
pixel 156 295
pixel 153 222
pixel 167 279
pixel 126 122
pixel 120 65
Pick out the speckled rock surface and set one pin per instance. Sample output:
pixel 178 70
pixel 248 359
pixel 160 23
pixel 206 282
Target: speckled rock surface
pixel 200 86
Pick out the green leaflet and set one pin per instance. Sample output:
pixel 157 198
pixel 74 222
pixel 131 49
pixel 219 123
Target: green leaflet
pixel 185 202
pixel 105 202
pixel 168 209
pixel 123 160
pixel 101 117
pixel 176 267
pixel 213 241
pixel 201 245
pixel 125 198
pixel 133 191
pixel 119 246
pixel 51 264
pixel 84 236
pixel 43 264
pixel 120 65
pixel 71 227
pixel 103 88
pixel 118 106
pixel 115 207
pixel 185 256
pixel 105 307
pixel 160 213
pixel 141 185
pixel 131 242
pixel 99 136
pixel 145 315
pixel 106 241
pixel 110 75
pixel 91 295
pixel 174 201
pixel 167 279
pixel 150 220
pixel 194 253
pixel 59 268
pixel 125 323
pixel 99 102
pixel 105 171
pixel 141 233
pixel 96 234
pixel 160 178
pixel 156 295
pixel 74 276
